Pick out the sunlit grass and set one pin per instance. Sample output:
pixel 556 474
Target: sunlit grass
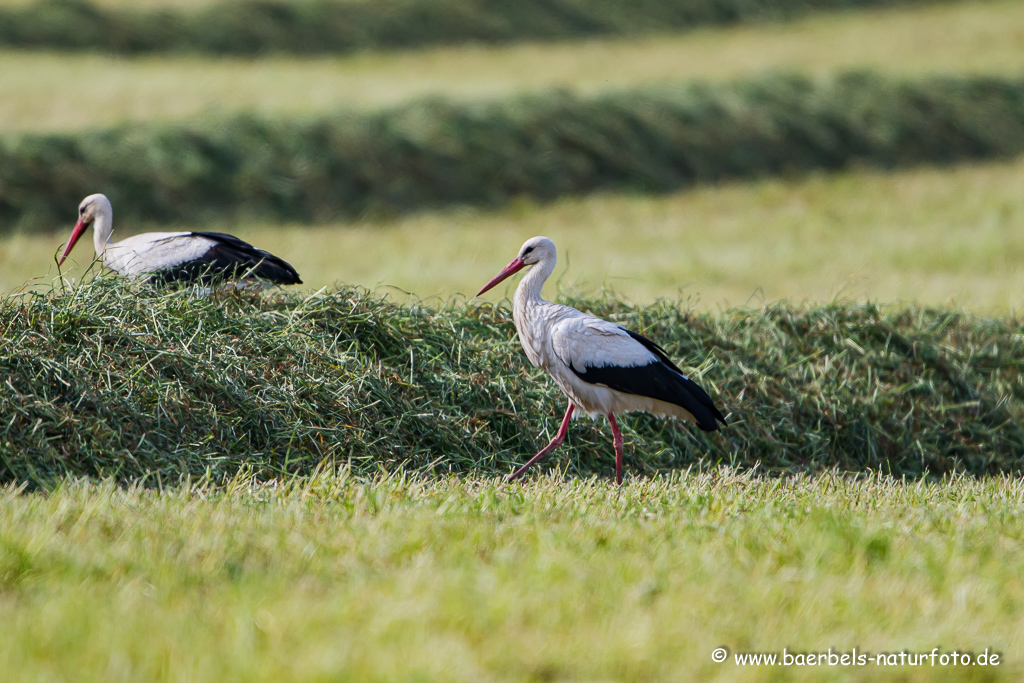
pixel 45 91
pixel 333 578
pixel 934 236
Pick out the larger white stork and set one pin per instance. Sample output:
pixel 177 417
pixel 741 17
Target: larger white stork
pixel 602 367
pixel 176 256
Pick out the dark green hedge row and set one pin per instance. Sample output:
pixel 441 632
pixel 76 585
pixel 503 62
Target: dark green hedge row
pixel 115 379
pixel 434 153
pixel 332 26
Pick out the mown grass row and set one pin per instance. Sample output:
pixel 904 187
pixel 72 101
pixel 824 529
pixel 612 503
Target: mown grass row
pixel 433 152
pixel 112 379
pixel 328 26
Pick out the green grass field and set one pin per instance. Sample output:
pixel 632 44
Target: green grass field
pixel 45 92
pixel 335 578
pixel 338 577
pixel 935 236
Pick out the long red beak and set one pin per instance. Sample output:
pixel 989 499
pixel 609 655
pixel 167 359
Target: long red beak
pixel 80 227
pixel 512 268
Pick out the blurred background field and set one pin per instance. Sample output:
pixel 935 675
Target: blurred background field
pixel 46 91
pixel 937 235
pixel 258 27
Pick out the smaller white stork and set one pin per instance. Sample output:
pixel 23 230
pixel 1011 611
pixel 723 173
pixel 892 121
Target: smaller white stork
pixel 176 256
pixel 602 368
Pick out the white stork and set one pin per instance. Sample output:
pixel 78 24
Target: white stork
pixel 602 367
pixel 176 256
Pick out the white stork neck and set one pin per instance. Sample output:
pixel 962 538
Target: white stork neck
pixel 102 226
pixel 529 288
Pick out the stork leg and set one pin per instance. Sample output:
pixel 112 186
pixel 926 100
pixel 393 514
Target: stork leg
pixel 617 440
pixel 555 443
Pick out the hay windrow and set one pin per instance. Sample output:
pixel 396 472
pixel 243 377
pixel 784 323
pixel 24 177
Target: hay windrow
pixel 436 153
pixel 113 379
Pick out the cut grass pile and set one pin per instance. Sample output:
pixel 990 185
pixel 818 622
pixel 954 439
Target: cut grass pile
pixel 36 89
pixel 110 379
pixel 434 152
pixel 332 27
pixel 397 578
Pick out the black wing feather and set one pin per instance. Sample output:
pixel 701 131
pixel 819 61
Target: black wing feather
pixel 230 258
pixel 661 380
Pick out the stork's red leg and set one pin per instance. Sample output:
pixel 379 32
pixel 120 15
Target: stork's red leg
pixel 555 443
pixel 617 440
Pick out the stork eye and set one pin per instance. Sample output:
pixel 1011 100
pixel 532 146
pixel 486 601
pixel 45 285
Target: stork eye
pixel 527 250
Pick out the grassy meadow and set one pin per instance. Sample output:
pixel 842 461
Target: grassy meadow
pixel 336 578
pixel 41 92
pixel 350 508
pixel 296 518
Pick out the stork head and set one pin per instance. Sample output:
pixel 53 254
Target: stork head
pixel 92 208
pixel 534 250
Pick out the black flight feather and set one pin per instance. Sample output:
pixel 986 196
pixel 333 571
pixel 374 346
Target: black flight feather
pixel 230 258
pixel 660 380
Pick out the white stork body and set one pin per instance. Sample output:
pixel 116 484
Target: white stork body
pixel 601 367
pixel 176 256
pixel 560 338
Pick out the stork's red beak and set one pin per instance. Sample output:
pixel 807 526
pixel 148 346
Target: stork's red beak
pixel 80 227
pixel 512 268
